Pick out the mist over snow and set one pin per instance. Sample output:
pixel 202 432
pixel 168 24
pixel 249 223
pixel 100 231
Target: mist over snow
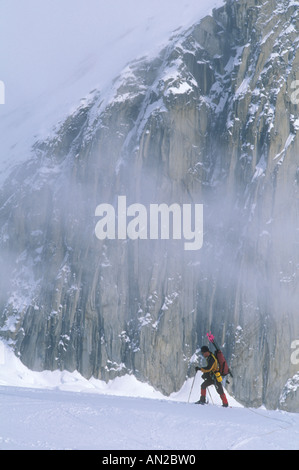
pixel 63 411
pixel 53 53
pixel 202 113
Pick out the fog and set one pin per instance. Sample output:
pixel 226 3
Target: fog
pixel 63 280
pixel 53 53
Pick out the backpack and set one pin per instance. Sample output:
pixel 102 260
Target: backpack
pixel 223 365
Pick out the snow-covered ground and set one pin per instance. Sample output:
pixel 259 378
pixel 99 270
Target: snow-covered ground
pixel 53 53
pixel 60 410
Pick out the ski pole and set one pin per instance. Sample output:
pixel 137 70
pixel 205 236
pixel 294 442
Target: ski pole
pixel 192 387
pixel 210 396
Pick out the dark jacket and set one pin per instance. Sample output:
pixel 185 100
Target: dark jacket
pixel 212 365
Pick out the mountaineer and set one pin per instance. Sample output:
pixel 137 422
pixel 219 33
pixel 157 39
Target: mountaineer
pixel 211 376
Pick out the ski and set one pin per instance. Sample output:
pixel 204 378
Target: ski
pixel 224 368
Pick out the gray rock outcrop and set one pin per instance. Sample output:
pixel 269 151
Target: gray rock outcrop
pixel 213 120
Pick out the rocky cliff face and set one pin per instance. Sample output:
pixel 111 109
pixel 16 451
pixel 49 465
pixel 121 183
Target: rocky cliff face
pixel 212 120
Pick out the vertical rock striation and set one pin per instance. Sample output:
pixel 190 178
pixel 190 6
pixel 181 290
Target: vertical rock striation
pixel 212 120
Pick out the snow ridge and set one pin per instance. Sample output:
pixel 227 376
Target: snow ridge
pixel 125 415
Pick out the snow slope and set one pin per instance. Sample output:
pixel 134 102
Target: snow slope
pixel 53 410
pixel 54 52
pixel 44 419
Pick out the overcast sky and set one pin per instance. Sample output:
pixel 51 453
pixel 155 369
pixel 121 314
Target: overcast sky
pixel 53 52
